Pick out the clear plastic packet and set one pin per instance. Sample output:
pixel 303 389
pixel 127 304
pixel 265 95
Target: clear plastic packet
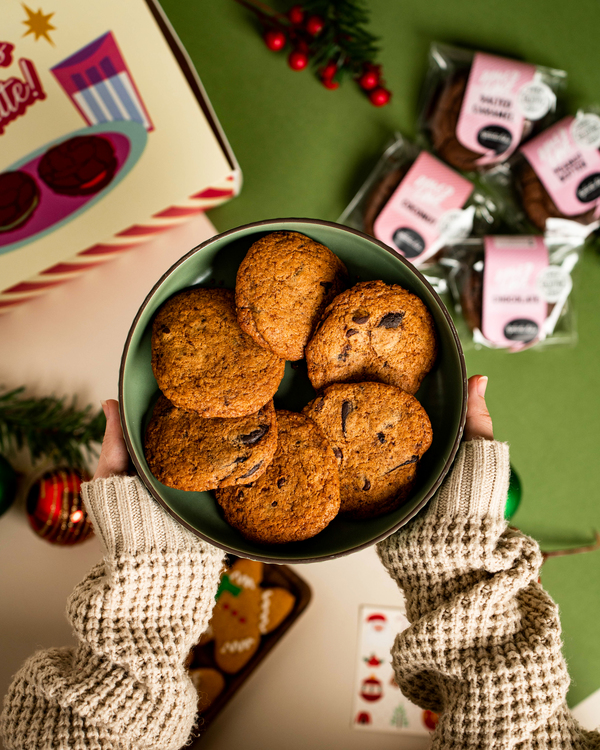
pixel 557 175
pixel 514 292
pixel 418 205
pixel 476 109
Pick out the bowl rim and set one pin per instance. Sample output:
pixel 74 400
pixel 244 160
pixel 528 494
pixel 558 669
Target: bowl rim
pixel 320 558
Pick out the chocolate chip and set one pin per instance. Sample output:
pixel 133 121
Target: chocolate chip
pixel 360 318
pixel 252 471
pixel 347 408
pixel 412 460
pixel 165 329
pixel 338 453
pixel 253 437
pixel 281 482
pixel 326 285
pixel 391 320
pixel 351 332
pixel 318 404
pixel 343 355
pixel 381 437
pixel 367 485
pixel 274 504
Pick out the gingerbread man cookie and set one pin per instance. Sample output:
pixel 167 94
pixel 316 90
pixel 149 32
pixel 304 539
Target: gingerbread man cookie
pixel 243 613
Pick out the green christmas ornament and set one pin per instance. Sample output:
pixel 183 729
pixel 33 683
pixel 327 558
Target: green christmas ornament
pixel 8 485
pixel 515 492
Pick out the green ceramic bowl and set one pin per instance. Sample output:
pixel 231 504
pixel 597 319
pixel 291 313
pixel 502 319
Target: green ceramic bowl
pixel 443 392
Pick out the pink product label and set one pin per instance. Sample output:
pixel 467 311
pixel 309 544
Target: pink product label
pixel 569 172
pixel 491 120
pixel 513 309
pixel 410 220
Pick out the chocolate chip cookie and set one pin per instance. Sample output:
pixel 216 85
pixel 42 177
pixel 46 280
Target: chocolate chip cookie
pixel 373 331
pixel 378 433
pixel 380 195
pixel 283 285
pixel 299 493
pixel 537 202
pixel 189 452
pixel 204 362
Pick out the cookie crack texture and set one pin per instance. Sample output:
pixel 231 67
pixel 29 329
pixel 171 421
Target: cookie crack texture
pixel 299 493
pixel 207 362
pixel 282 287
pixel 373 479
pixel 373 331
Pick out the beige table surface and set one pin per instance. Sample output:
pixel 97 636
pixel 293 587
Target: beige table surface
pixel 69 341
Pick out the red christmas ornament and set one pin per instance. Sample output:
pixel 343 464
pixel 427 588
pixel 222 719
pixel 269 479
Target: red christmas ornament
pixel 329 84
pixel 371 689
pixel 379 96
pixel 430 719
pixel 275 40
pixel 297 60
pixel 368 80
pixel 315 25
pixel 296 14
pixel 55 509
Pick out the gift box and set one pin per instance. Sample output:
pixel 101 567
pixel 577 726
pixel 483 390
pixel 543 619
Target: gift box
pixel 107 138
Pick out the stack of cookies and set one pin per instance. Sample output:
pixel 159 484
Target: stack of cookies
pixel 219 356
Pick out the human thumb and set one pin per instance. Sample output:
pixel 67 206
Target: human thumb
pixel 114 458
pixel 479 422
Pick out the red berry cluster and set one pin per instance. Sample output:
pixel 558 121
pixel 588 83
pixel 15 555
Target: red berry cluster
pixel 372 82
pixel 302 29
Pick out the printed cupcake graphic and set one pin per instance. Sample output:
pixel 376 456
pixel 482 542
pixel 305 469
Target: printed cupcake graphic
pixel 100 85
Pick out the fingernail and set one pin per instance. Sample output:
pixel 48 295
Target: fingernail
pixel 482 385
pixel 104 405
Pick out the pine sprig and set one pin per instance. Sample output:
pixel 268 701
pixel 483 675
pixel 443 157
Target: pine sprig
pixel 329 35
pixel 345 40
pixel 49 428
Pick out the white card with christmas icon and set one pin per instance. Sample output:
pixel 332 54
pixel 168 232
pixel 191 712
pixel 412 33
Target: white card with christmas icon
pixel 106 134
pixel 377 704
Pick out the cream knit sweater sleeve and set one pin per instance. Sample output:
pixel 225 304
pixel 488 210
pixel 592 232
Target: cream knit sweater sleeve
pixel 136 616
pixel 483 649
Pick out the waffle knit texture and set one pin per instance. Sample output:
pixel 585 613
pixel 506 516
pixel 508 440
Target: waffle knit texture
pixel 483 649
pixel 136 617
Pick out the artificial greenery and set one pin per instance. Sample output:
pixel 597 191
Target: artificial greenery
pixel 343 41
pixel 49 428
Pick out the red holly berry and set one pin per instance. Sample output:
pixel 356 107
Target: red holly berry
pixel 315 25
pixel 368 80
pixel 275 40
pixel 329 84
pixel 297 60
pixel 329 71
pixel 380 96
pixel 296 14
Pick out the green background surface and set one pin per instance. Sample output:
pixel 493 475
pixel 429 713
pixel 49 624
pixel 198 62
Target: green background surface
pixel 305 150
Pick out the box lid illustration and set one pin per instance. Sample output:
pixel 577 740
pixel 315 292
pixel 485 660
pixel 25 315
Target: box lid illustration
pixel 106 138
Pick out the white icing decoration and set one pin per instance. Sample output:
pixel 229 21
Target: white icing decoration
pixel 242 579
pixel 265 610
pixel 235 647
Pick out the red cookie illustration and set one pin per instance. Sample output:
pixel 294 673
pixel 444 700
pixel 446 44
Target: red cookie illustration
pixel 82 165
pixel 19 197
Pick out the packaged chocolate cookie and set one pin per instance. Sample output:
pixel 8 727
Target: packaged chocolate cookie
pixel 477 108
pixel 514 292
pixel 417 205
pixel 558 176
